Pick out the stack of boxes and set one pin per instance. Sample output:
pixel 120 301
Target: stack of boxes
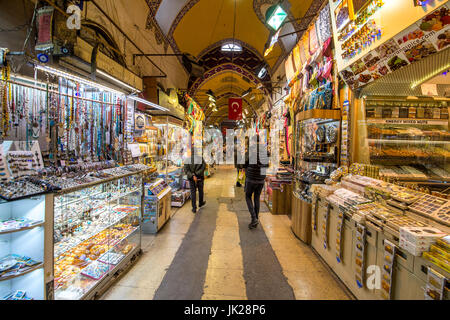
pixel 417 240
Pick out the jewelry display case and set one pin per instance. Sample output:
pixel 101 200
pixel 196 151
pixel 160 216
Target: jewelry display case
pixel 170 161
pixel 150 145
pixel 22 243
pixel 408 140
pixel 97 231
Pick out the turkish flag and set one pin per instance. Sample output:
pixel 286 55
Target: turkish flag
pixel 235 109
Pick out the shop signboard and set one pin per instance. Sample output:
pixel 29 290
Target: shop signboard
pixel 361 26
pixel 171 103
pixel 426 37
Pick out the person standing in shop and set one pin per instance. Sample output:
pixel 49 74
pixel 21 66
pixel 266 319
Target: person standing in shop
pixel 255 176
pixel 195 171
pixel 240 176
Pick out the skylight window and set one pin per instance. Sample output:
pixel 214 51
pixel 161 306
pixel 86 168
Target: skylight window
pixel 231 47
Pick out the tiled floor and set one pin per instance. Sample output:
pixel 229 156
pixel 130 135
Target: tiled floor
pixel 273 256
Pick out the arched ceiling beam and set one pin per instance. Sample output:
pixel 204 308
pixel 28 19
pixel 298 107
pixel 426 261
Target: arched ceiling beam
pixel 220 69
pixel 219 44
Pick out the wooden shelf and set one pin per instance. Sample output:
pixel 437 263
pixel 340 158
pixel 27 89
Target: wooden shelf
pixel 38 266
pixel 320 114
pixel 24 228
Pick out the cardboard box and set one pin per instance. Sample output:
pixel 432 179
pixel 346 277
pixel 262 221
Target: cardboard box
pixel 420 235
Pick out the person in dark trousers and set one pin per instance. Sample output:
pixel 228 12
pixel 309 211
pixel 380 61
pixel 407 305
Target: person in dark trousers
pixel 254 184
pixel 196 176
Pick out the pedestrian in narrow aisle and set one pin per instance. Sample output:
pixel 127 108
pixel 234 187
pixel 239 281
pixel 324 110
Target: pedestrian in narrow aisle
pixel 195 171
pixel 255 176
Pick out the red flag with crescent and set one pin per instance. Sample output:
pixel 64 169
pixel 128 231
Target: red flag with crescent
pixel 235 108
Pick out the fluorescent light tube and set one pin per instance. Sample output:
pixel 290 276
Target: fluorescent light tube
pixel 148 103
pixel 75 78
pixel 123 84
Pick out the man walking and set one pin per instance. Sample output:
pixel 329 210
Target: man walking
pixel 195 172
pixel 255 176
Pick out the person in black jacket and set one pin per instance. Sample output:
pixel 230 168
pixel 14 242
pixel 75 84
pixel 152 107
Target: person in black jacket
pixel 255 176
pixel 196 175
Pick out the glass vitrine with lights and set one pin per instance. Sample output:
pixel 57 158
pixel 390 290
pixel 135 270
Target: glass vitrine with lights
pixel 97 230
pixel 22 249
pixel 408 139
pixel 169 160
pixel 316 153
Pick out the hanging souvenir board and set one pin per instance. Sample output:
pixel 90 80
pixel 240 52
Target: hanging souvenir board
pixel 313 39
pixel 298 62
pixel 426 37
pixel 388 269
pixel 323 24
pixel 289 66
pixel 339 235
pixel 342 14
pixel 360 255
pixel 359 4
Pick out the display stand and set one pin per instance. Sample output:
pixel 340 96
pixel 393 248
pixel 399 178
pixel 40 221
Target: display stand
pixel 301 219
pixel 351 260
pixel 157 206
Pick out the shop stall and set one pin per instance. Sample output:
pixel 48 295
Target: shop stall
pixel 364 226
pixel 278 187
pixel 70 208
pixel 382 223
pixel 317 121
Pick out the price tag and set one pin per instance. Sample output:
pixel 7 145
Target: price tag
pixel 63 163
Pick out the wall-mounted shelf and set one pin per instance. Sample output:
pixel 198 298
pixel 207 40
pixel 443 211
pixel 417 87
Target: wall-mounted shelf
pixel 319 114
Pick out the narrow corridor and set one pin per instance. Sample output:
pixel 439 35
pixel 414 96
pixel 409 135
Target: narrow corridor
pixel 213 255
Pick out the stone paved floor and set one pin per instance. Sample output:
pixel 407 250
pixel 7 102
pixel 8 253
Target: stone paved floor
pixel 213 255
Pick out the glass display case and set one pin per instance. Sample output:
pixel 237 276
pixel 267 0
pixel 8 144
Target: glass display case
pixel 316 153
pixel 150 145
pixel 170 162
pixel 22 238
pixel 408 140
pixel 96 232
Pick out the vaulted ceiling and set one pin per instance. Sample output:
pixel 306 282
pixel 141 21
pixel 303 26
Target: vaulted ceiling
pixel 201 27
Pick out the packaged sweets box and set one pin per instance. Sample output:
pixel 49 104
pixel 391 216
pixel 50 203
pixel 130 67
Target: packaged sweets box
pixel 415 250
pixel 420 235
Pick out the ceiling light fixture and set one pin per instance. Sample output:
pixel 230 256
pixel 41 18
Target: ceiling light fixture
pixel 262 72
pixel 211 95
pixel 123 84
pixel 78 79
pixel 148 103
pixel 429 76
pixel 246 92
pixel 275 16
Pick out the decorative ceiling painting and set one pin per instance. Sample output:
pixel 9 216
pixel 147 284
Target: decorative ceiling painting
pixel 152 24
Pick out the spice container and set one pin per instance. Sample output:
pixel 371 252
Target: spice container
pixel 420 111
pixel 412 111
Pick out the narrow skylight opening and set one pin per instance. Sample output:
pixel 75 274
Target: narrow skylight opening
pixel 231 47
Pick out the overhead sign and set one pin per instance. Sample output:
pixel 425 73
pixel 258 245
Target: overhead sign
pixel 275 16
pixel 426 37
pixel 377 22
